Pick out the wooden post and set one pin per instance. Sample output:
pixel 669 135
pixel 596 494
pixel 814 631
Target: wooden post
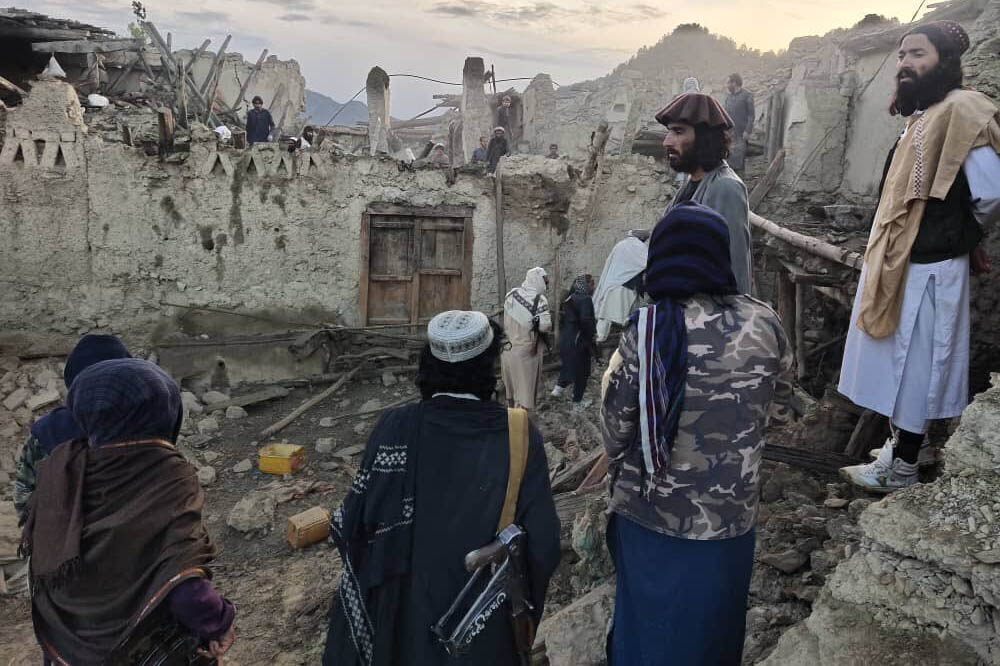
pixel 216 64
pixel 234 107
pixel 800 339
pixel 765 184
pixel 501 267
pixel 776 123
pixel 786 305
pixel 166 122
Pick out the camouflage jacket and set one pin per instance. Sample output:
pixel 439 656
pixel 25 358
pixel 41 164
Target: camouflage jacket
pixel 26 474
pixel 738 361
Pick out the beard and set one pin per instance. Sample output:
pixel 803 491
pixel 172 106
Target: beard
pixel 922 90
pixel 682 162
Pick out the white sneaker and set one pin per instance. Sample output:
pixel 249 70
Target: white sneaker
pixel 582 405
pixel 928 456
pixel 558 391
pixel 884 475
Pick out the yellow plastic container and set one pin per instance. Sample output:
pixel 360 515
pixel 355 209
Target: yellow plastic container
pixel 281 459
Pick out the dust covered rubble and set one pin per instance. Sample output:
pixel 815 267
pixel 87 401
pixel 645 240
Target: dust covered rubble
pixel 927 568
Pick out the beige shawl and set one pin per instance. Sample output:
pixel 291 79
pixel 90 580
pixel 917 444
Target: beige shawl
pixel 924 166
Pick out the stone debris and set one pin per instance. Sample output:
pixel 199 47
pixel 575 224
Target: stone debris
pixel 43 399
pixel 208 425
pixel 206 475
pixel 350 451
pixel 213 397
pixel 235 413
pixel 389 379
pixel 254 512
pixel 788 561
pixel 327 422
pixel 191 403
pixel 324 444
pixel 16 399
pixel 243 466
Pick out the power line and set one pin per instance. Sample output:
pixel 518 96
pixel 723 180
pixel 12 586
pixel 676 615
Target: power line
pixel 344 106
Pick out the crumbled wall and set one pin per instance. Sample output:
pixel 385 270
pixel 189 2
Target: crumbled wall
pixel 927 573
pixel 106 239
pixel 273 74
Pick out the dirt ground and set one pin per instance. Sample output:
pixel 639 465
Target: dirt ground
pixel 282 595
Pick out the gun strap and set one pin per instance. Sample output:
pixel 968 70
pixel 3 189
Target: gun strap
pixel 517 426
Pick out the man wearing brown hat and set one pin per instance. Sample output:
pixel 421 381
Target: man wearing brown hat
pixel 907 350
pixel 697 144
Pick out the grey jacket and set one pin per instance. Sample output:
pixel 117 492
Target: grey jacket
pixel 724 192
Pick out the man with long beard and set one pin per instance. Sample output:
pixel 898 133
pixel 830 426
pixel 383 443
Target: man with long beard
pixel 697 144
pixel 907 350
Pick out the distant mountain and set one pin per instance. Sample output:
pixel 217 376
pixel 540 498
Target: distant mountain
pixel 320 108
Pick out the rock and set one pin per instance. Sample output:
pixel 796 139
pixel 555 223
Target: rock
pixel 575 636
pixel 961 586
pixel 329 466
pixel 836 503
pixel 361 428
pixel 10 535
pixel 978 617
pixel 350 451
pixel 788 561
pixel 43 378
pixel 253 512
pixel 243 466
pixel 324 445
pixel 554 455
pixel 857 506
pixel 16 399
pixel 213 397
pixel 208 425
pixel 989 556
pixel 327 422
pixel 235 413
pixel 371 405
pixel 206 475
pixel 210 456
pixel 389 379
pixel 823 561
pixel 42 399
pixel 191 403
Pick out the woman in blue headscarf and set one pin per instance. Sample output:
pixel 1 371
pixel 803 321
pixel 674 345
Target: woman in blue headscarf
pixel 118 548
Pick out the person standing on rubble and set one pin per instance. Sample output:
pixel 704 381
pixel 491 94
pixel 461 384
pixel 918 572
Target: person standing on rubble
pixel 739 106
pixel 59 426
pixel 498 148
pixel 433 483
pixel 697 143
pixel 527 321
pixel 119 552
pixel 621 279
pixel 260 124
pixel 480 153
pixel 907 350
pixel 686 398
pixel 576 342
pixel 505 117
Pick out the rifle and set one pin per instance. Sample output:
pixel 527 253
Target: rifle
pixel 504 556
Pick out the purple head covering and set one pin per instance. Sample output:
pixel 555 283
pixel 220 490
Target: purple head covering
pixel 123 400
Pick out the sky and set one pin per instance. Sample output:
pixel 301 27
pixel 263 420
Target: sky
pixel 336 42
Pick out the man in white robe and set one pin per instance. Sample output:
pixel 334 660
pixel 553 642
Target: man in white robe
pixel 907 350
pixel 613 300
pixel 526 317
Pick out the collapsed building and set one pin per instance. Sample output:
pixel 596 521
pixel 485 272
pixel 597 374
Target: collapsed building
pixel 118 218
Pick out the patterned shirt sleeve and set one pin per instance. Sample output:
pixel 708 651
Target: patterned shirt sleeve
pixel 620 397
pixel 780 409
pixel 26 475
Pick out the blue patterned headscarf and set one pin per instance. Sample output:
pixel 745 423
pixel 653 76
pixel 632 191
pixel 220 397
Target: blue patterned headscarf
pixel 688 255
pixel 124 400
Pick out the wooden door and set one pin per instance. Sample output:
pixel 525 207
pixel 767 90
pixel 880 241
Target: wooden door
pixel 415 263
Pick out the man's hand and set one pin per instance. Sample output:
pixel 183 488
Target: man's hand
pixel 979 261
pixel 220 646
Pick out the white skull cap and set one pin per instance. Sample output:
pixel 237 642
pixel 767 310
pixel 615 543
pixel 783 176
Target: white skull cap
pixel 458 335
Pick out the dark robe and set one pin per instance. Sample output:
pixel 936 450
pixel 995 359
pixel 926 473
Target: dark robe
pixel 576 342
pixel 498 148
pixel 407 563
pixel 259 125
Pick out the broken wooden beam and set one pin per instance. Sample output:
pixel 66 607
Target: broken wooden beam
pixel 309 404
pixel 377 410
pixel 4 83
pixel 808 243
pixel 86 46
pixel 234 107
pixel 572 477
pixel 765 184
pixel 257 397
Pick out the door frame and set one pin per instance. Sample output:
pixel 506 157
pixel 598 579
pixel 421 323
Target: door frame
pixel 461 214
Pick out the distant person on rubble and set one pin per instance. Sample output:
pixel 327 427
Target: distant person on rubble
pixel 438 156
pixel 686 399
pixel 620 283
pixel 480 153
pixel 907 350
pixel 697 144
pixel 432 487
pixel 576 342
pixel 119 552
pixel 505 117
pixel 59 426
pixel 260 124
pixel 553 153
pixel 527 321
pixel 739 106
pixel 690 85
pixel 498 148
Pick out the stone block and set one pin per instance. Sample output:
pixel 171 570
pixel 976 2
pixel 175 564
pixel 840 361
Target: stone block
pixel 243 466
pixel 42 399
pixel 253 512
pixel 575 636
pixel 16 399
pixel 214 397
pixel 191 403
pixel 206 475
pixel 324 445
pixel 208 425
pixel 235 413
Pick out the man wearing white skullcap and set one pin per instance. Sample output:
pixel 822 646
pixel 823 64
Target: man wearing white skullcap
pixel 432 487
